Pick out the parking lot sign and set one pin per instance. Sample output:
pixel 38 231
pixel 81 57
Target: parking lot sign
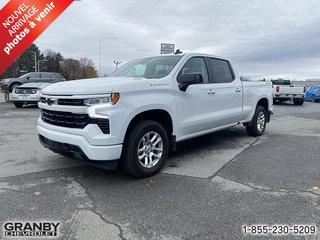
pixel 167 48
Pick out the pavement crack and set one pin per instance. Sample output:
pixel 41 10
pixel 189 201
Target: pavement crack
pixel 270 190
pixel 231 160
pixel 94 209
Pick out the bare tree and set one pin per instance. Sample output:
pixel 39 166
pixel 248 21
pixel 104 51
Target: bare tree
pixel 245 78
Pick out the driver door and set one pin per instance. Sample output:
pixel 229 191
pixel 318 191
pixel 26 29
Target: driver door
pixel 196 105
pixel 33 77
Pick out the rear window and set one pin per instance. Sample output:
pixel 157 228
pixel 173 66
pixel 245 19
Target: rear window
pixel 57 75
pixel 281 82
pixel 46 75
pixel 221 71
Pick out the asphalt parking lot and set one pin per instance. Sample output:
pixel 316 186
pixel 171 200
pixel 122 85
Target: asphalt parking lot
pixel 209 188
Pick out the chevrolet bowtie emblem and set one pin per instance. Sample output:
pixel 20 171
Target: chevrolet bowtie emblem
pixel 49 101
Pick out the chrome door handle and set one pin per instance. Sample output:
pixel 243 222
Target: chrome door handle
pixel 211 92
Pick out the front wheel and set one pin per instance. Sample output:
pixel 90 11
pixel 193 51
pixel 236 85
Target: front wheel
pixel 13 86
pixel 145 149
pixel 313 98
pixel 258 122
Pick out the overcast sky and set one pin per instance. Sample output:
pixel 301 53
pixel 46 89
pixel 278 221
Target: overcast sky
pixel 264 38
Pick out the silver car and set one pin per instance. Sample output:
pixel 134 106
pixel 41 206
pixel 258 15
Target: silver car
pixel 28 93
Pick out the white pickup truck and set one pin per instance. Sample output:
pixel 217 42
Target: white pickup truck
pixel 284 91
pixel 139 113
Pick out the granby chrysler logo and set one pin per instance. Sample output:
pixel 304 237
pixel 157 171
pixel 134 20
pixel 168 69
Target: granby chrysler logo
pixel 30 229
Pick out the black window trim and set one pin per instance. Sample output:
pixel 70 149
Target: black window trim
pixel 211 78
pixel 206 64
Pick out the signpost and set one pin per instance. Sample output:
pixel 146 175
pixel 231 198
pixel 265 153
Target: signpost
pixel 167 48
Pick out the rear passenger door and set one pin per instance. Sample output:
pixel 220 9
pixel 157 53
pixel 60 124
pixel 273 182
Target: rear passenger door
pixel 227 96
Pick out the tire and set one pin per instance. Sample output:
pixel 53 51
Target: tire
pixel 139 143
pixel 258 122
pixel 298 101
pixel 18 105
pixel 313 98
pixel 13 85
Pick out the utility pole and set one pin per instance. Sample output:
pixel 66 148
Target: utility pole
pixel 117 63
pixel 35 61
pixel 100 58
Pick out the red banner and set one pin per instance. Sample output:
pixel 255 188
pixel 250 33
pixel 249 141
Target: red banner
pixel 21 22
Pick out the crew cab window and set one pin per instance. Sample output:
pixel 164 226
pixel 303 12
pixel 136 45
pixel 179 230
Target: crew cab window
pixel 196 65
pixel 221 71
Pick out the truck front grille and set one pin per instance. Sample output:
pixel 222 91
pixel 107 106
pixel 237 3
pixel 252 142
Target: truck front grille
pixel 64 101
pixel 65 119
pixel 72 120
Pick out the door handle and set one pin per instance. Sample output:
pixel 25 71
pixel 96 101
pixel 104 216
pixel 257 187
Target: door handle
pixel 237 90
pixel 211 92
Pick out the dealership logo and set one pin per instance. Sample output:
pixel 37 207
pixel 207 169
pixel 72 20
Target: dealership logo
pixel 30 229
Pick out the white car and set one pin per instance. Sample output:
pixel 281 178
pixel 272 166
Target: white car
pixel 28 93
pixel 146 107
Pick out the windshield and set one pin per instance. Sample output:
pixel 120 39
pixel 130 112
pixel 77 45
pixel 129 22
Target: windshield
pixel 24 75
pixel 154 67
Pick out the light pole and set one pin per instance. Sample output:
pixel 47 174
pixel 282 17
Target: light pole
pixel 40 61
pixel 35 61
pixel 100 58
pixel 117 63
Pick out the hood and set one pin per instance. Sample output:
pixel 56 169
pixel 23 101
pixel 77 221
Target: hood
pixel 6 79
pixel 86 86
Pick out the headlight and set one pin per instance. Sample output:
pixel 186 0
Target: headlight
pixel 5 80
pixel 97 105
pixel 112 99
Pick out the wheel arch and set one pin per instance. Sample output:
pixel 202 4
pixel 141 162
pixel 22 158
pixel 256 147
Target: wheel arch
pixel 161 116
pixel 15 82
pixel 263 102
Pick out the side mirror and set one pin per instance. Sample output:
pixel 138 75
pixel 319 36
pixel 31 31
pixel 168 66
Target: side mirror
pixel 186 80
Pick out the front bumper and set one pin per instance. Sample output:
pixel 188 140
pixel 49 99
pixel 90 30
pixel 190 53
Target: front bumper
pixel 77 146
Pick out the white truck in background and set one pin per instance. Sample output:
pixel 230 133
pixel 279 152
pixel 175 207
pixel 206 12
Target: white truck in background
pixel 284 90
pixel 139 113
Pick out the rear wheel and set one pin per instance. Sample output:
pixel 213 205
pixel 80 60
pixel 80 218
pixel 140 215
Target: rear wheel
pixel 258 122
pixel 298 101
pixel 18 105
pixel 145 149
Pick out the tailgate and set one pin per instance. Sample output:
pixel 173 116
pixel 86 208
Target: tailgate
pixel 291 90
